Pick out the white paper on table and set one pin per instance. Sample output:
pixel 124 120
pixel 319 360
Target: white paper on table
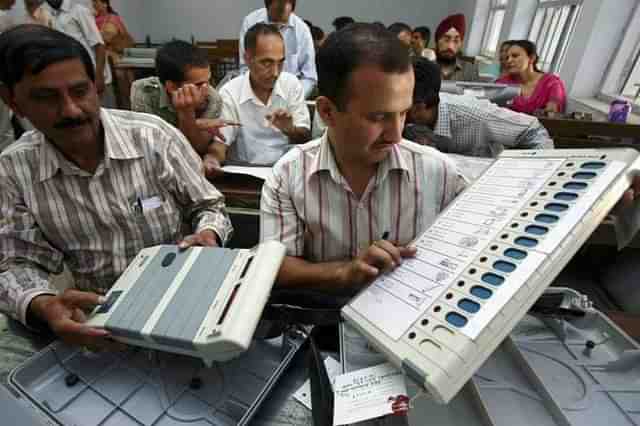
pixel 367 394
pixel 258 172
pixel 303 395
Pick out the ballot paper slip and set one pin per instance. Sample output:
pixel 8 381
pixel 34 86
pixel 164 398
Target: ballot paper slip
pixel 485 261
pixel 367 394
pixel 303 395
pixel 262 173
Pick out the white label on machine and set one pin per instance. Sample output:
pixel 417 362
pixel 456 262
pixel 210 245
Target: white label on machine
pixel 452 243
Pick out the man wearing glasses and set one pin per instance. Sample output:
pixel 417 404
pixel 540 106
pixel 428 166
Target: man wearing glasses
pixel 267 103
pixel 300 58
pixel 182 96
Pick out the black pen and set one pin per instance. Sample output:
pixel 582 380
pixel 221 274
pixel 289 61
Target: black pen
pixel 385 235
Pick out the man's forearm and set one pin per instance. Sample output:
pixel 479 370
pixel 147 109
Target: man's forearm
pixel 198 139
pixel 298 135
pixel 296 273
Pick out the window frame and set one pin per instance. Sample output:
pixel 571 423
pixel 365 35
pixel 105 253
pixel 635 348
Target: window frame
pixel 496 6
pixel 562 36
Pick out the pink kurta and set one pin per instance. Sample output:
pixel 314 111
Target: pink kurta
pixel 550 88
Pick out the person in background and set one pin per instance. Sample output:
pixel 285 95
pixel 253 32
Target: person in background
pixel 76 20
pixel 342 21
pixel 449 42
pixel 465 125
pixel 332 202
pixel 6 128
pixel 267 102
pixel 90 188
pixel 318 37
pixel 402 31
pixel 420 42
pixel 112 28
pixel 182 96
pixel 503 56
pixel 300 57
pixel 541 92
pixel 36 13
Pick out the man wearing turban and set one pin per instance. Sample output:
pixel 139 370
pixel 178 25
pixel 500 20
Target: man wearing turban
pixel 449 40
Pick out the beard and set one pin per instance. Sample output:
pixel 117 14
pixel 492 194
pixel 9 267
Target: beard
pixel 446 58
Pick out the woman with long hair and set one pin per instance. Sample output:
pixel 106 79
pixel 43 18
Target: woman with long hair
pixel 112 28
pixel 541 92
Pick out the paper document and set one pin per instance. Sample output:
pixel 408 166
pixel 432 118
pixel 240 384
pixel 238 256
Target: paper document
pixel 369 393
pixel 257 172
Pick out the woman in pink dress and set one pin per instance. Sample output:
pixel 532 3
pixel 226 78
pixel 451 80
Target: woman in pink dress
pixel 541 92
pixel 112 29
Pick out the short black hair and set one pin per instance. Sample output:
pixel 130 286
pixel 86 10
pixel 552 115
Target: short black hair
pixel 342 21
pixel 31 48
pixel 259 29
pixel 355 46
pixel 425 33
pixel 175 57
pixel 399 27
pixel 316 33
pixel 428 82
pixel 267 3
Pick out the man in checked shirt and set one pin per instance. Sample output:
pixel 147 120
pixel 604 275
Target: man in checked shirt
pixel 90 188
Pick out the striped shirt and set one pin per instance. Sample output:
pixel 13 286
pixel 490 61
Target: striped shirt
pixel 308 205
pixel 479 128
pixel 146 191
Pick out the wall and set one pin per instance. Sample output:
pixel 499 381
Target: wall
pixel 213 19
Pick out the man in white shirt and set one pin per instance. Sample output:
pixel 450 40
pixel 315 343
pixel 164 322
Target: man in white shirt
pixel 300 53
pixel 267 103
pixel 78 22
pixel 6 130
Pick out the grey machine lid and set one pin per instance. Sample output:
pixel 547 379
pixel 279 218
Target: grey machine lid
pixel 142 387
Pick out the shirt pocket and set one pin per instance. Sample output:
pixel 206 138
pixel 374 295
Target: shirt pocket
pixel 158 224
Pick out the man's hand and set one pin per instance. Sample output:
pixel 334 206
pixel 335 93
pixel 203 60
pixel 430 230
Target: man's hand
pixel 211 166
pixel 206 238
pixel 382 256
pixel 65 315
pixel 631 194
pixel 282 120
pixel 187 99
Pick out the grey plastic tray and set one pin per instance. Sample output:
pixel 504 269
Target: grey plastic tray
pixel 543 374
pixel 141 387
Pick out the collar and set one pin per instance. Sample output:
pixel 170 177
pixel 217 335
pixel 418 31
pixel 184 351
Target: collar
pixel 247 94
pixel 65 6
pixel 116 147
pixel 164 102
pixel 325 161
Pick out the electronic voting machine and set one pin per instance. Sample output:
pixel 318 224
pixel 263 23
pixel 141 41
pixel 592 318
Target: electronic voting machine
pixel 486 259
pixel 203 302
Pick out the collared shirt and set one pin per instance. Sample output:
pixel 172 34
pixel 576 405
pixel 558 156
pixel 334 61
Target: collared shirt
pixel 257 142
pixel 308 205
pixel 479 128
pixel 149 95
pixel 78 22
pixel 300 54
pixel 463 71
pixel 146 190
pixel 429 54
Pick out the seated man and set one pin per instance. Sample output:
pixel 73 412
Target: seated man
pixel 449 41
pixel 465 125
pixel 268 103
pixel 333 200
pixel 420 43
pixel 300 57
pixel 90 187
pixel 182 96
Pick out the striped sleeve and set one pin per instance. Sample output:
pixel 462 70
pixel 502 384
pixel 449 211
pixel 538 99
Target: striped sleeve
pixel 25 255
pixel 279 219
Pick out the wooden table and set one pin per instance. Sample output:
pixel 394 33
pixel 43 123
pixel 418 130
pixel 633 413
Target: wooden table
pixel 568 133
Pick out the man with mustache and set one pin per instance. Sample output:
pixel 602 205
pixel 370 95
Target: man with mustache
pixel 449 42
pixel 89 188
pixel 267 103
pixel 300 54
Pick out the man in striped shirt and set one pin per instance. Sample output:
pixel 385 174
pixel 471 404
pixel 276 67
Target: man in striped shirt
pixel 91 188
pixel 348 204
